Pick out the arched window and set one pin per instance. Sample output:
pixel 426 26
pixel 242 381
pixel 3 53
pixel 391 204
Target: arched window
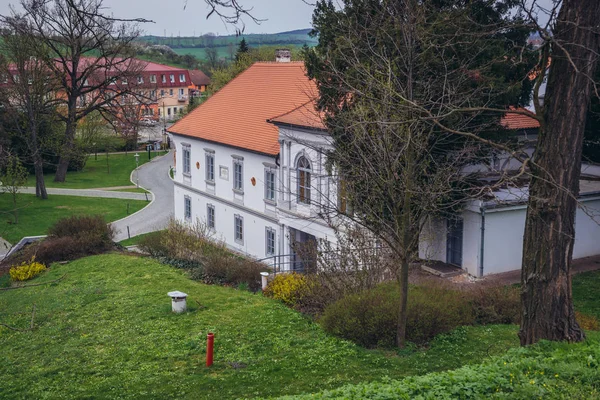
pixel 303 169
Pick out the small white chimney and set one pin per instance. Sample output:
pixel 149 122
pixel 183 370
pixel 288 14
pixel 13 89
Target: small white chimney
pixel 283 55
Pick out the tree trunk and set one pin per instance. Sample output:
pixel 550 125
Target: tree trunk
pixel 546 298
pixel 402 278
pixel 66 151
pixel 40 184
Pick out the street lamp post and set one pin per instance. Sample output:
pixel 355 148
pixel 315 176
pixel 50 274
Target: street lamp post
pixel 137 173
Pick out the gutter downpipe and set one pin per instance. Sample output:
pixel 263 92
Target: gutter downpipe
pixel 482 244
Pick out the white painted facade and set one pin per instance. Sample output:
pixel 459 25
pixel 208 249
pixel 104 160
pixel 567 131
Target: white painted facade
pixel 284 216
pixel 492 240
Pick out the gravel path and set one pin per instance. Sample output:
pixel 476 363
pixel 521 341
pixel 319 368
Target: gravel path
pixel 107 194
pixel 153 176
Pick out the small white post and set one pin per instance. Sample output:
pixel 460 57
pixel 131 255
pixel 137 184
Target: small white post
pixel 263 280
pixel 178 301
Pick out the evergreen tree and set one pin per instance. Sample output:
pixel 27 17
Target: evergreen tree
pixel 242 49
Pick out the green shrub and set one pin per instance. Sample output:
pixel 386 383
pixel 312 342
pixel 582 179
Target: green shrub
pixel 71 238
pixel 191 248
pixel 26 270
pixel 370 318
pixel 496 304
pixel 154 245
pixel 288 288
pixel 86 225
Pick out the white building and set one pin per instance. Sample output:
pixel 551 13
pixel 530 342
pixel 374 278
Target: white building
pixel 251 164
pixel 240 175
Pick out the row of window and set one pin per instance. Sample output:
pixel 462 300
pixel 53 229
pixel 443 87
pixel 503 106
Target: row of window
pixel 163 78
pixel 169 113
pixel 303 169
pixel 238 227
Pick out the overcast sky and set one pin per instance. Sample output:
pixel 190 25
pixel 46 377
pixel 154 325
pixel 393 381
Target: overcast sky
pixel 169 15
pixel 171 18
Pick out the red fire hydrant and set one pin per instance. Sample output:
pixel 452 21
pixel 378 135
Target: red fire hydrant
pixel 210 343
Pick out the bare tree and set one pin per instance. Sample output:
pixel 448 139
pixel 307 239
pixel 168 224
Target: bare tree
pixel 574 47
pixel 392 77
pixel 30 88
pixel 89 53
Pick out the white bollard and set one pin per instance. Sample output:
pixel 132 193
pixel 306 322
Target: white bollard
pixel 263 279
pixel 178 301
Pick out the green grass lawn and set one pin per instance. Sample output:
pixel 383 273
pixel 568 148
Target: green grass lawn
pixel 107 331
pixel 586 293
pixel 134 240
pixel 36 216
pixel 96 173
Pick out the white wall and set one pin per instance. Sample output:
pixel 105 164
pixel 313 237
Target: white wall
pixel 503 241
pixel 471 242
pixel 587 230
pixel 256 213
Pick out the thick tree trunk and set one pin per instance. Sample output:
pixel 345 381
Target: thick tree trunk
pixel 546 299
pixel 40 184
pixel 66 151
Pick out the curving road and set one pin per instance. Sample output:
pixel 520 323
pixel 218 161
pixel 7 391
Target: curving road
pixel 153 176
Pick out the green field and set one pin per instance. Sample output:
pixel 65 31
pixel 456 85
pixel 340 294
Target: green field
pixel 36 216
pixel 103 172
pixel 107 331
pixel 295 38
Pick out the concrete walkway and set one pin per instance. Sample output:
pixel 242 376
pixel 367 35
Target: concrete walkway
pixel 154 177
pixel 107 194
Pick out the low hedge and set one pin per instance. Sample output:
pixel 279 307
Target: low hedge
pixel 547 370
pixel 370 318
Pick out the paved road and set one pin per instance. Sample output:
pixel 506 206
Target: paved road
pixel 153 176
pixel 90 193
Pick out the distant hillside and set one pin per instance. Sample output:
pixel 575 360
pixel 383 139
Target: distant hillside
pixel 297 38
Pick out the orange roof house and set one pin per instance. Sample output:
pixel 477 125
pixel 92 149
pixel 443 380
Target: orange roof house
pixel 237 115
pixel 514 121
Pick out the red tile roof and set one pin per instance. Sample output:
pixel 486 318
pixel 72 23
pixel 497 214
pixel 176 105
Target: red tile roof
pixel 199 78
pixel 304 116
pixel 237 114
pixel 520 121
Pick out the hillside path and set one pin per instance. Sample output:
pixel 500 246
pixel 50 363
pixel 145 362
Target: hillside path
pixel 154 177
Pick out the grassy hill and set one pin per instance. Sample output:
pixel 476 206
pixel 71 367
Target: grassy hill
pixel 227 45
pixel 107 331
pixel 297 37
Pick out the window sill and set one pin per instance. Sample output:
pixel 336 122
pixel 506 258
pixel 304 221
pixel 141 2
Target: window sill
pixel 238 241
pixel 209 182
pixel 270 202
pixel 238 191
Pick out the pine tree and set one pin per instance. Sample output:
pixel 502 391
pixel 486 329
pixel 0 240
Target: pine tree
pixel 242 48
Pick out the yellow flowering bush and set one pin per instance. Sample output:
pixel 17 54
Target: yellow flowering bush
pixel 289 288
pixel 26 270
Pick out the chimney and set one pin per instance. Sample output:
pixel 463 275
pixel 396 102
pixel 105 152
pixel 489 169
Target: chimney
pixel 283 55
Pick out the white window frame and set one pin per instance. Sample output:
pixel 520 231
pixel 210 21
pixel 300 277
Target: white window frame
pixel 210 216
pixel 238 178
pixel 181 77
pixel 186 159
pixel 270 184
pixel 172 78
pixel 303 175
pixel 140 79
pixel 164 78
pixel 270 244
pixel 210 166
pixel 187 208
pixel 238 228
pixel 152 78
